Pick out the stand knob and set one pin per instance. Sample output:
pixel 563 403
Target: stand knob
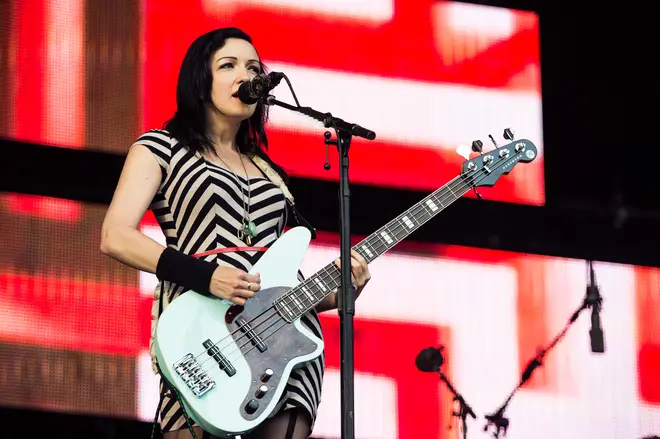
pixel 328 142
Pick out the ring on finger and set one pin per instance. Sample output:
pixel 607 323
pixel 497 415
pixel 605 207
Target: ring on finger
pixel 249 285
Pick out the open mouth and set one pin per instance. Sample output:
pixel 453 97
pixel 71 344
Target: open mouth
pixel 235 95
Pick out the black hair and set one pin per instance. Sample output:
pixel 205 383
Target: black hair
pixel 193 97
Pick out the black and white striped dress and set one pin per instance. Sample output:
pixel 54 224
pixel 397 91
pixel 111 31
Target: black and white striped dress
pixel 199 208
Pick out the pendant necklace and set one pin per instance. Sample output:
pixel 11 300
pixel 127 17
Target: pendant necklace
pixel 248 229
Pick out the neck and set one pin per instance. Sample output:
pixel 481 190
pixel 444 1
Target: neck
pixel 222 132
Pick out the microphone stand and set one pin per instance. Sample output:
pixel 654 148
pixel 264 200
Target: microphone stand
pixel 497 419
pixel 463 408
pixel 346 294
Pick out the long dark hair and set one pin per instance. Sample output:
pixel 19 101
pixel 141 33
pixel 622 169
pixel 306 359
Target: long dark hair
pixel 193 97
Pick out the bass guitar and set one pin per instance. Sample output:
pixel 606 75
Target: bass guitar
pixel 229 364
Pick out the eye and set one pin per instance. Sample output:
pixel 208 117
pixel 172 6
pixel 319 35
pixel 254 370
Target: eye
pixel 255 69
pixel 227 64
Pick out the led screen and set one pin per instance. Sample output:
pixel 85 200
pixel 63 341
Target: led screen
pixel 426 76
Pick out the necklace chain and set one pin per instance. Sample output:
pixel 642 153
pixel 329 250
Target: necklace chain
pixel 248 229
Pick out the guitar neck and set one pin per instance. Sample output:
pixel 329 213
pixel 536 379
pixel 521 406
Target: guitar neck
pixel 322 283
pixel 412 219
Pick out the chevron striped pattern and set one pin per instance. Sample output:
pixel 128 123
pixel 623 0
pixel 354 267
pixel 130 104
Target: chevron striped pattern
pixel 199 207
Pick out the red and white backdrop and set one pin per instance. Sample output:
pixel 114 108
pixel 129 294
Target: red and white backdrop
pixel 426 76
pixel 75 332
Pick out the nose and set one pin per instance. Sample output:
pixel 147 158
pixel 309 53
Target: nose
pixel 242 75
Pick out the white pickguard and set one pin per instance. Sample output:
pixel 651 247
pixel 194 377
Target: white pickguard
pixel 192 318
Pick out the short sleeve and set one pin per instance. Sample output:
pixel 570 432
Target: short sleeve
pixel 159 143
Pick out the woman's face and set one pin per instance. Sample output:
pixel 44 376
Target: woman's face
pixel 236 62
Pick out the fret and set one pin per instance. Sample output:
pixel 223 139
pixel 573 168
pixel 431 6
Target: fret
pixel 310 296
pixel 398 230
pixel 408 222
pixel 297 302
pixel 364 249
pixel 379 238
pixel 320 284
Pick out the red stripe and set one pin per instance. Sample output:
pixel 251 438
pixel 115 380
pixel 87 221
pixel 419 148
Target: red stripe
pixel 648 343
pixel 230 250
pixel 30 35
pixel 45 207
pixel 70 313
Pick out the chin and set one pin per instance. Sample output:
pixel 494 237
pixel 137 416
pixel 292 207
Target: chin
pixel 238 110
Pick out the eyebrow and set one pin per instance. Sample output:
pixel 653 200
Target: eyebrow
pixel 236 59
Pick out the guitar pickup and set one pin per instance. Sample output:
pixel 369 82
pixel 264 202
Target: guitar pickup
pixel 256 340
pixel 214 352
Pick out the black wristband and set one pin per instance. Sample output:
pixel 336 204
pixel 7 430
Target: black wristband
pixel 185 270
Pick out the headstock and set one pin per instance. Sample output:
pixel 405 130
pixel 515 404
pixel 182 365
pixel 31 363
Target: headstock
pixel 488 167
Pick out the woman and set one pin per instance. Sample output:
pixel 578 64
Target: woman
pixel 200 177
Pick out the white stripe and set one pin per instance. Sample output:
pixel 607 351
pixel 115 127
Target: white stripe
pixel 408 112
pixel 147 388
pixel 65 72
pixel 367 10
pixel 375 401
pixel 480 19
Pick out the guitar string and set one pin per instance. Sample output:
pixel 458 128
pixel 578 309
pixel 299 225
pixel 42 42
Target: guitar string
pixel 466 186
pixel 398 227
pixel 384 246
pixel 261 334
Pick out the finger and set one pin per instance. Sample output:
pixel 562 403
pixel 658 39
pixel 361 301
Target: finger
pixel 250 286
pixel 253 278
pixel 242 293
pixel 359 258
pixel 238 300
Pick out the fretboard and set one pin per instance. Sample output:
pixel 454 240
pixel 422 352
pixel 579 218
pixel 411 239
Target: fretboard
pixel 314 289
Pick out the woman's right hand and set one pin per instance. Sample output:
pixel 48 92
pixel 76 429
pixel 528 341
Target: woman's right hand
pixel 234 284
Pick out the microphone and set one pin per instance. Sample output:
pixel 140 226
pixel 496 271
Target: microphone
pixel 251 91
pixel 594 300
pixel 430 359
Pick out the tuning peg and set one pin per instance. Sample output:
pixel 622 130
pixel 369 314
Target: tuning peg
pixel 477 146
pixel 508 134
pixel 463 151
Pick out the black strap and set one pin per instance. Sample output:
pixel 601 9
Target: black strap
pixel 300 220
pixel 293 417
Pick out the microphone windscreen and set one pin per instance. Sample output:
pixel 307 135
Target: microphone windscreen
pixel 246 95
pixel 429 360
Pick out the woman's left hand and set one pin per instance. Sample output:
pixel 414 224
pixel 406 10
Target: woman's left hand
pixel 359 271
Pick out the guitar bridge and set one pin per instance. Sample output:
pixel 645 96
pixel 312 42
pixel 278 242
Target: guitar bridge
pixel 191 372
